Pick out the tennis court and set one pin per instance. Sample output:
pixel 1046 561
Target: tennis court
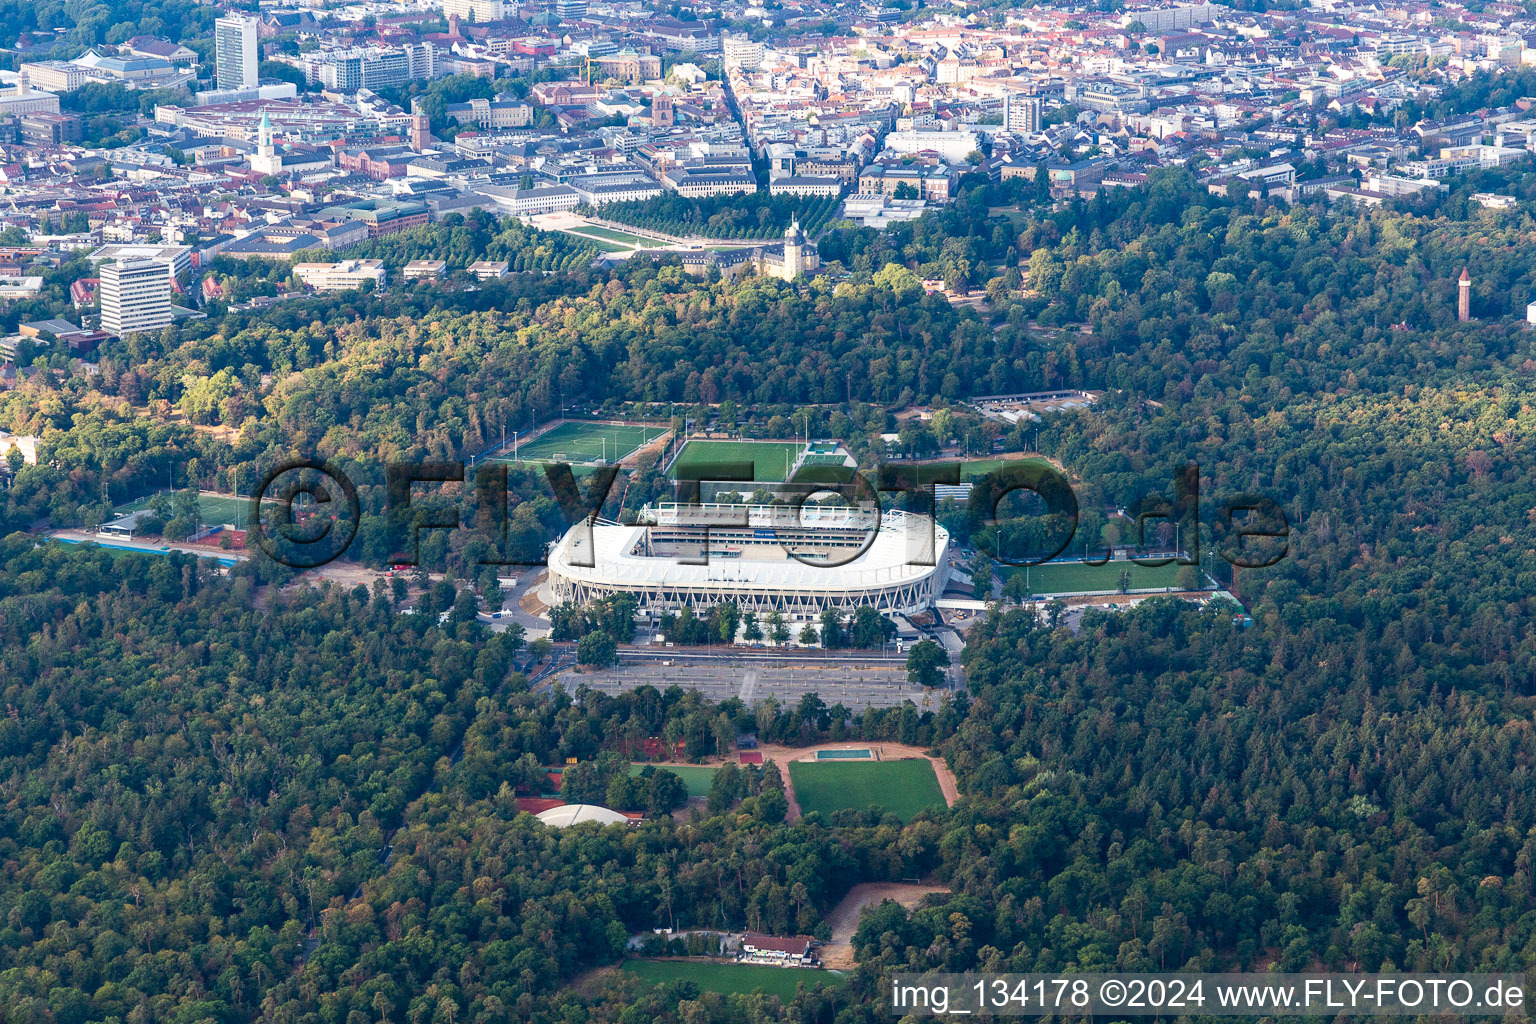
pixel 771 459
pixel 574 441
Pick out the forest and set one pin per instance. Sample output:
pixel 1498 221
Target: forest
pixel 199 770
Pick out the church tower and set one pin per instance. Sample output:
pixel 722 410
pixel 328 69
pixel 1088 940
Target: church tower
pixel 265 160
pixel 1464 296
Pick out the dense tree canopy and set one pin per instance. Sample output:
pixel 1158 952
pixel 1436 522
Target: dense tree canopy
pixel 198 769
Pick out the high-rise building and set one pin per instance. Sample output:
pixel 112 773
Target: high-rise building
pixel 570 10
pixel 740 51
pixel 235 51
pixel 1022 113
pixel 476 12
pixel 135 296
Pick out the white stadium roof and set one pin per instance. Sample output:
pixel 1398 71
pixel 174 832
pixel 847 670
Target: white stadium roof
pixel 902 540
pixel 567 815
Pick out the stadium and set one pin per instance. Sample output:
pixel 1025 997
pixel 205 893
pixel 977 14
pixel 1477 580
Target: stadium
pixel 764 558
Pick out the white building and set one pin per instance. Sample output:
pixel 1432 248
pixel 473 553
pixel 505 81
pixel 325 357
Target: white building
pixel 567 815
pixel 135 297
pixel 55 75
pixel 783 950
pixel 794 257
pixel 416 270
pixel 26 100
pixel 340 277
pixel 235 51
pixel 609 190
pixel 476 11
pixel 492 113
pixel 954 147
pixel 1158 20
pixel 525 202
pixel 1023 113
pixel 740 51
pixel 375 67
pixel 1530 313
pixel 176 259
pixel 266 159
pixel 762 557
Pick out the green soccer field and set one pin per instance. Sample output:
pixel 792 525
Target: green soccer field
pixel 1076 578
pixel 586 442
pixel 975 469
pixel 901 787
pixel 214 510
pixel 732 978
pixel 771 459
pixel 697 777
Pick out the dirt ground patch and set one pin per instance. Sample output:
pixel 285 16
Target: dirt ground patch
pixel 844 919
pixel 529 601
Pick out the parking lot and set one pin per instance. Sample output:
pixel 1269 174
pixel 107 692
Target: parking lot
pixel 855 686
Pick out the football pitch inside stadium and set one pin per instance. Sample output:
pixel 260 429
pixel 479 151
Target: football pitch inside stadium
pixel 771 459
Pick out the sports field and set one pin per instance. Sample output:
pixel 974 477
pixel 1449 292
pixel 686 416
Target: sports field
pixel 771 459
pixel 575 441
pixel 223 509
pixel 902 787
pixel 975 469
pixel 1075 577
pixel 697 777
pixel 734 979
pixel 824 468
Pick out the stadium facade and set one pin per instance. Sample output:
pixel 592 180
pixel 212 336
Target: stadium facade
pixel 797 561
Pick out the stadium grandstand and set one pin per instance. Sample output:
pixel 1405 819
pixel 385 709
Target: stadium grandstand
pixel 797 561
